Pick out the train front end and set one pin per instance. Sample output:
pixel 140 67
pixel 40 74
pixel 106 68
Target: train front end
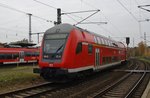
pixel 53 52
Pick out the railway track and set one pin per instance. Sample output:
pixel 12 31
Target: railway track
pixel 102 86
pixel 126 87
pixel 123 85
pixel 31 92
pixel 91 85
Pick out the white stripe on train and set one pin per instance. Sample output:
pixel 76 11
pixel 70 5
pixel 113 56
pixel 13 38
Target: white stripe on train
pixel 95 68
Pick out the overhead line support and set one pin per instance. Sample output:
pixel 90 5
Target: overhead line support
pixel 79 12
pixel 29 26
pixel 141 7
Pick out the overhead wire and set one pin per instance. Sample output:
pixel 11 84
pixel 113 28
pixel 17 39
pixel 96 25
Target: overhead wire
pixel 54 8
pixel 87 17
pixel 41 24
pixel 23 12
pixel 12 21
pixel 105 18
pixel 45 4
pixel 108 19
pixel 62 10
pixel 10 29
pixel 134 16
pixel 140 10
pixel 11 8
pixel 140 18
pixel 131 14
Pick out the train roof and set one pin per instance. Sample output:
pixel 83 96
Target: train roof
pixel 66 28
pixel 61 28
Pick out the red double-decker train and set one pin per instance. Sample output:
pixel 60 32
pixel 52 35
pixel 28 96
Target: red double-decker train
pixel 69 50
pixel 18 55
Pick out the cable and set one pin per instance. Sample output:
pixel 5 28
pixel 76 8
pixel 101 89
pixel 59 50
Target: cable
pixel 136 2
pixel 104 17
pixel 52 7
pixel 8 7
pixel 45 4
pixel 72 18
pixel 43 19
pixel 127 11
pixel 57 8
pixel 10 29
pixel 12 21
pixel 106 30
pixel 87 17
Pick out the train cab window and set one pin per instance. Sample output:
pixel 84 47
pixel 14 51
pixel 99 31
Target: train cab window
pixel 90 49
pixel 79 48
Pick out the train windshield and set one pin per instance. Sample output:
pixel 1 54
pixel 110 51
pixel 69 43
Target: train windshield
pixel 54 45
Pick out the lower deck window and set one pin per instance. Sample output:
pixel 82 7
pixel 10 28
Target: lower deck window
pixel 90 48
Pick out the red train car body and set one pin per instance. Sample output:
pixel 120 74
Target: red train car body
pixel 18 55
pixel 67 49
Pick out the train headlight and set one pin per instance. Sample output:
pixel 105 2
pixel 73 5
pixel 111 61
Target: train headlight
pixel 58 56
pixel 45 56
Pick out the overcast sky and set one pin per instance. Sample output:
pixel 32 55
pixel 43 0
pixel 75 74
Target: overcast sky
pixel 122 17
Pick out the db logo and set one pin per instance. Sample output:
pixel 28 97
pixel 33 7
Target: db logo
pixel 50 65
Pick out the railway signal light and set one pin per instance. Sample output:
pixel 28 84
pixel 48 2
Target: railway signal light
pixel 58 16
pixel 127 40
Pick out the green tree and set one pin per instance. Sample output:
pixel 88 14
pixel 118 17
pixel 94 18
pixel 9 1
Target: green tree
pixel 142 48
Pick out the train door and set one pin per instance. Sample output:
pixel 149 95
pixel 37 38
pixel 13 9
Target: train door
pixel 21 56
pixel 97 58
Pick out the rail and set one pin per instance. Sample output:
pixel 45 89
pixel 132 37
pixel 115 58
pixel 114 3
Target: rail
pixel 30 91
pixel 117 89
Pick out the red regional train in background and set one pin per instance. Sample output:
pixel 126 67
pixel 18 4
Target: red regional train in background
pixel 69 50
pixel 18 55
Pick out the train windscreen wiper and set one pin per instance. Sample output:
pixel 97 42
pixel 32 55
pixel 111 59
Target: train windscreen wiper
pixel 59 48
